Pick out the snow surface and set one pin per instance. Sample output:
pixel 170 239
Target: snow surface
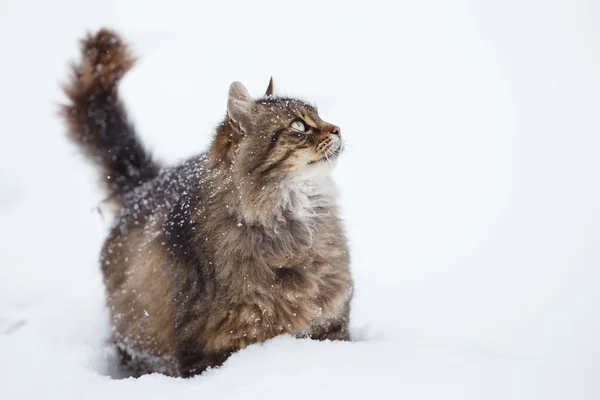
pixel 469 186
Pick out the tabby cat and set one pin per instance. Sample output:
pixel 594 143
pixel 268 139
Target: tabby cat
pixel 232 247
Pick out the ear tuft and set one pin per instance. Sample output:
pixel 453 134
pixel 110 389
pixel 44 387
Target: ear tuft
pixel 269 91
pixel 239 105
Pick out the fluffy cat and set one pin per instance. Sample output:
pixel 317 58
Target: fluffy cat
pixel 232 247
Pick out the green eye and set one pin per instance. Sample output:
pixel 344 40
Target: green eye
pixel 298 125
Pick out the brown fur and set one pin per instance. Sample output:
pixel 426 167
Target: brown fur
pixel 230 248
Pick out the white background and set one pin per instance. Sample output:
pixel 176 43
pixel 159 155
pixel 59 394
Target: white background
pixel 469 187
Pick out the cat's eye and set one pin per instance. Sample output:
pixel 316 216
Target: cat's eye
pixel 299 125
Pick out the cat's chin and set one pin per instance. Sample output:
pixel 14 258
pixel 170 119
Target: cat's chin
pixel 316 170
pixel 331 160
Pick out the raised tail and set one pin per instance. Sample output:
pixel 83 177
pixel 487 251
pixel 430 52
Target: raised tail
pixel 96 119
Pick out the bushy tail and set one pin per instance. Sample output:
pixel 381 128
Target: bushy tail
pixel 96 119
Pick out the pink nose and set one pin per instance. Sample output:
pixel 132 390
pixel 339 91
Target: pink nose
pixel 336 130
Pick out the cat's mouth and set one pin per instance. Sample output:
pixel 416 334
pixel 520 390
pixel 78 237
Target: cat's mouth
pixel 330 155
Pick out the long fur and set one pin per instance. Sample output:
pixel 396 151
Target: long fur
pixel 97 121
pixel 233 246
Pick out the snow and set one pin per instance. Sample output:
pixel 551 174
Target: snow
pixel 469 186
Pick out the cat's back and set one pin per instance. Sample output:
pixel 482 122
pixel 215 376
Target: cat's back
pixel 135 262
pixel 139 226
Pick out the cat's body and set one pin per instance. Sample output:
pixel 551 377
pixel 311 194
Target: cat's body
pixel 232 247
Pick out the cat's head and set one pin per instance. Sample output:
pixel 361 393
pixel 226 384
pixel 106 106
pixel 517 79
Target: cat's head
pixel 271 138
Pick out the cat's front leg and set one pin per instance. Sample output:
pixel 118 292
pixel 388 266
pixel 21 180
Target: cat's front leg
pixel 336 330
pixel 337 333
pixel 195 362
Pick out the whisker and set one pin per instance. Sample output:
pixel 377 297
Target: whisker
pixel 327 156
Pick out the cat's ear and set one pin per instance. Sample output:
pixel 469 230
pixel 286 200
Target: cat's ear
pixel 239 106
pixel 269 91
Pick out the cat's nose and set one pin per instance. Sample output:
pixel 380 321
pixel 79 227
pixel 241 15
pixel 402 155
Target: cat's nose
pixel 336 130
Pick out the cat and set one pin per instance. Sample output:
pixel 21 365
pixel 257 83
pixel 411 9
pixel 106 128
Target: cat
pixel 232 247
